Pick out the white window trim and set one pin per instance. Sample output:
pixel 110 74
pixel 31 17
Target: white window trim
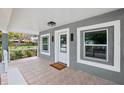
pixel 41 45
pixel 116 66
pixel 97 59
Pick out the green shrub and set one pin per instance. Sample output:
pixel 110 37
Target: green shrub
pixel 0 55
pixel 12 55
pixel 35 52
pixel 29 53
pixel 18 54
pixel 24 54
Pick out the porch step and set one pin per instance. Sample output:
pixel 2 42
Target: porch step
pixel 15 77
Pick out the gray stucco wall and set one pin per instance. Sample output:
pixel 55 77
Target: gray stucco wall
pixel 107 74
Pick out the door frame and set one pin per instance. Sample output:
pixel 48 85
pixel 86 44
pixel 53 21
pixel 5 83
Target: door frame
pixel 56 47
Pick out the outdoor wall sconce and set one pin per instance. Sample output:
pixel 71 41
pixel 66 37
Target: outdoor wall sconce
pixel 72 37
pixel 52 38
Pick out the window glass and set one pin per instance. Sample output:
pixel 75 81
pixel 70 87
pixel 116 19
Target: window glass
pixel 95 51
pixel 45 43
pixel 98 37
pixel 95 44
pixel 63 43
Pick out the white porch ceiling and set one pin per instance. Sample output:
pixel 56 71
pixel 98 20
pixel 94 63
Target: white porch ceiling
pixel 34 20
pixel 5 14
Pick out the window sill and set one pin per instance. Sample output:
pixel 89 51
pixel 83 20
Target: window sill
pixel 45 53
pixel 96 59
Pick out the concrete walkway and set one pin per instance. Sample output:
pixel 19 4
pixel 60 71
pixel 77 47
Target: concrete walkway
pixel 15 77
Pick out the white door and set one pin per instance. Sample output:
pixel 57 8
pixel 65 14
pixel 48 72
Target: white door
pixel 63 47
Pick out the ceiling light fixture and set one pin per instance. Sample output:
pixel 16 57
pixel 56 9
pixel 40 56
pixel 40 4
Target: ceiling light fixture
pixel 51 23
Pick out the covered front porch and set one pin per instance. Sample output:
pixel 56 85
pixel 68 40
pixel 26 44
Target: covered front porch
pixel 37 71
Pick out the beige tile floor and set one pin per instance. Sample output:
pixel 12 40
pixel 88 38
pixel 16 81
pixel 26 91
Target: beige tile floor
pixel 36 71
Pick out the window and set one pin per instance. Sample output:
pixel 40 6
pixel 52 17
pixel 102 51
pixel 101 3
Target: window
pixel 45 44
pixel 95 44
pixel 101 45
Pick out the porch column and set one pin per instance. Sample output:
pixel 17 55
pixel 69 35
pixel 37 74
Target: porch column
pixel 5 50
pixel 38 49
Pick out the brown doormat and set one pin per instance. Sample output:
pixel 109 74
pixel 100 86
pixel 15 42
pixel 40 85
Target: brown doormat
pixel 58 65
